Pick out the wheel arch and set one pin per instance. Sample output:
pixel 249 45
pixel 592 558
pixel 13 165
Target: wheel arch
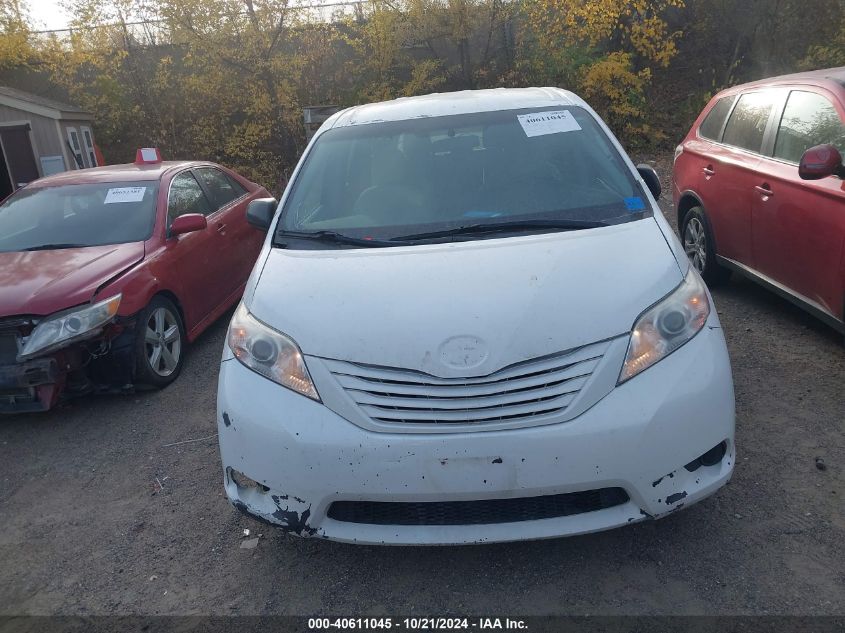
pixel 171 296
pixel 687 201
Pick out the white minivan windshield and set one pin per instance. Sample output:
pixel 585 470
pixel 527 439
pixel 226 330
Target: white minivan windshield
pixel 465 176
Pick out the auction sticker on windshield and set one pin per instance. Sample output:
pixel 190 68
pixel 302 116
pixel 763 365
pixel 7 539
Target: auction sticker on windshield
pixel 540 123
pixel 124 194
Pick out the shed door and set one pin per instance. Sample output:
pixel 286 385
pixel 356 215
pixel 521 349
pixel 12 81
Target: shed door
pixel 19 156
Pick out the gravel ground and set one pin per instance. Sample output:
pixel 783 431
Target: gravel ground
pixel 99 516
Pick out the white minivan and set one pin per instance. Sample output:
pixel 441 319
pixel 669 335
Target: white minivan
pixel 471 323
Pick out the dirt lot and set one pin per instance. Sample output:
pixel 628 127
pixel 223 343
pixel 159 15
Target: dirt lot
pixel 98 515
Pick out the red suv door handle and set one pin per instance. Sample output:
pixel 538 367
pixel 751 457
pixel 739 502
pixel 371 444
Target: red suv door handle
pixel 221 228
pixel 764 190
pixel 709 171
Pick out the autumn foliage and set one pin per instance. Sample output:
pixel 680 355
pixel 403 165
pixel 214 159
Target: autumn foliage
pixel 226 80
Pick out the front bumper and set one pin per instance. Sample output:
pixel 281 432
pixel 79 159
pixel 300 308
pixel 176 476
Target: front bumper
pixel 29 386
pixel 80 368
pixel 304 457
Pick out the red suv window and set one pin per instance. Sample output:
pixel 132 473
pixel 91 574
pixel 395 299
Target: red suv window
pixel 748 121
pixel 809 119
pixel 711 126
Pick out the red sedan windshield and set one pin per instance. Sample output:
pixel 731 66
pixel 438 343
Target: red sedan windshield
pixel 71 216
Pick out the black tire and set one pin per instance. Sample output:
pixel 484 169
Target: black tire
pixel 697 239
pixel 155 329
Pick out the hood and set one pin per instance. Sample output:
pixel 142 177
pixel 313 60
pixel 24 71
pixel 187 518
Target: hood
pixel 43 282
pixel 466 308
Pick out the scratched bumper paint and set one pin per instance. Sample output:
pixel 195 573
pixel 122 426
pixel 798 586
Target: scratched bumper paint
pixel 638 437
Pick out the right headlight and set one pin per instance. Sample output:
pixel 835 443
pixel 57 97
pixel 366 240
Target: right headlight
pixel 666 326
pixel 61 330
pixel 269 353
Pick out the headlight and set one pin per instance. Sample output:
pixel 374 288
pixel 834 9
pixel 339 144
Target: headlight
pixel 269 353
pixel 60 330
pixel 663 328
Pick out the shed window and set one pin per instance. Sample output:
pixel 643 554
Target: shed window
pixel 88 144
pixel 75 147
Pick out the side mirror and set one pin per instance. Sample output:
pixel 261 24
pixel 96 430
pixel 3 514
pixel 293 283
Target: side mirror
pixel 260 213
pixel 188 223
pixel 651 179
pixel 820 162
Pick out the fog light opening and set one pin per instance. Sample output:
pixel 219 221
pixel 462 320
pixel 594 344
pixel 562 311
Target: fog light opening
pixel 710 458
pixel 242 481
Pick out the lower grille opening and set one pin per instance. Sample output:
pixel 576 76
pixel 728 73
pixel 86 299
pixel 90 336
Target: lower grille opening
pixel 481 512
pixel 8 349
pixel 23 394
pixel 19 401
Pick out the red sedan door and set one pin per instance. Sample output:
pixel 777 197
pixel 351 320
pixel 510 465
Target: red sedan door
pixel 243 242
pixel 799 225
pixel 199 257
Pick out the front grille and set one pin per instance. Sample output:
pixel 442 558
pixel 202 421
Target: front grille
pixel 482 512
pixel 534 389
pixel 8 349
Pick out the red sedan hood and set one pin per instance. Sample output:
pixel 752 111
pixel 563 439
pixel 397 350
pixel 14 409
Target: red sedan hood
pixel 43 282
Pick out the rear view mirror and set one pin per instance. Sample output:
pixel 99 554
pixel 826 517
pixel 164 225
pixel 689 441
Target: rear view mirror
pixel 188 223
pixel 651 179
pixel 820 162
pixel 260 213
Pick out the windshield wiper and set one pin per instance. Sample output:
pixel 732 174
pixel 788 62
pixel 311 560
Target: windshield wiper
pixel 503 227
pixel 50 247
pixel 337 238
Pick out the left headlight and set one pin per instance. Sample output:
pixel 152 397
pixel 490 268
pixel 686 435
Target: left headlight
pixel 58 331
pixel 666 326
pixel 269 353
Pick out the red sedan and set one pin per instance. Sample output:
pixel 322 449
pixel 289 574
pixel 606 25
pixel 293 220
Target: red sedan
pixel 106 274
pixel 759 189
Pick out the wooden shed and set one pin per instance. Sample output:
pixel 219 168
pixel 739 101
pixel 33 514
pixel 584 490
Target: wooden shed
pixel 39 137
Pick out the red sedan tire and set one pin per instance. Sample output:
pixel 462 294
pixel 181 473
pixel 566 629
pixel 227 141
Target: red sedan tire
pixel 159 343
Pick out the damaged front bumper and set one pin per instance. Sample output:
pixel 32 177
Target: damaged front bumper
pixel 103 362
pixel 659 442
pixel 29 386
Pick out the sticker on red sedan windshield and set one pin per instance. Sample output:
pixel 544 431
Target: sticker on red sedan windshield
pixel 540 123
pixel 125 194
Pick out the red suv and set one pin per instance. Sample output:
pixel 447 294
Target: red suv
pixel 758 187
